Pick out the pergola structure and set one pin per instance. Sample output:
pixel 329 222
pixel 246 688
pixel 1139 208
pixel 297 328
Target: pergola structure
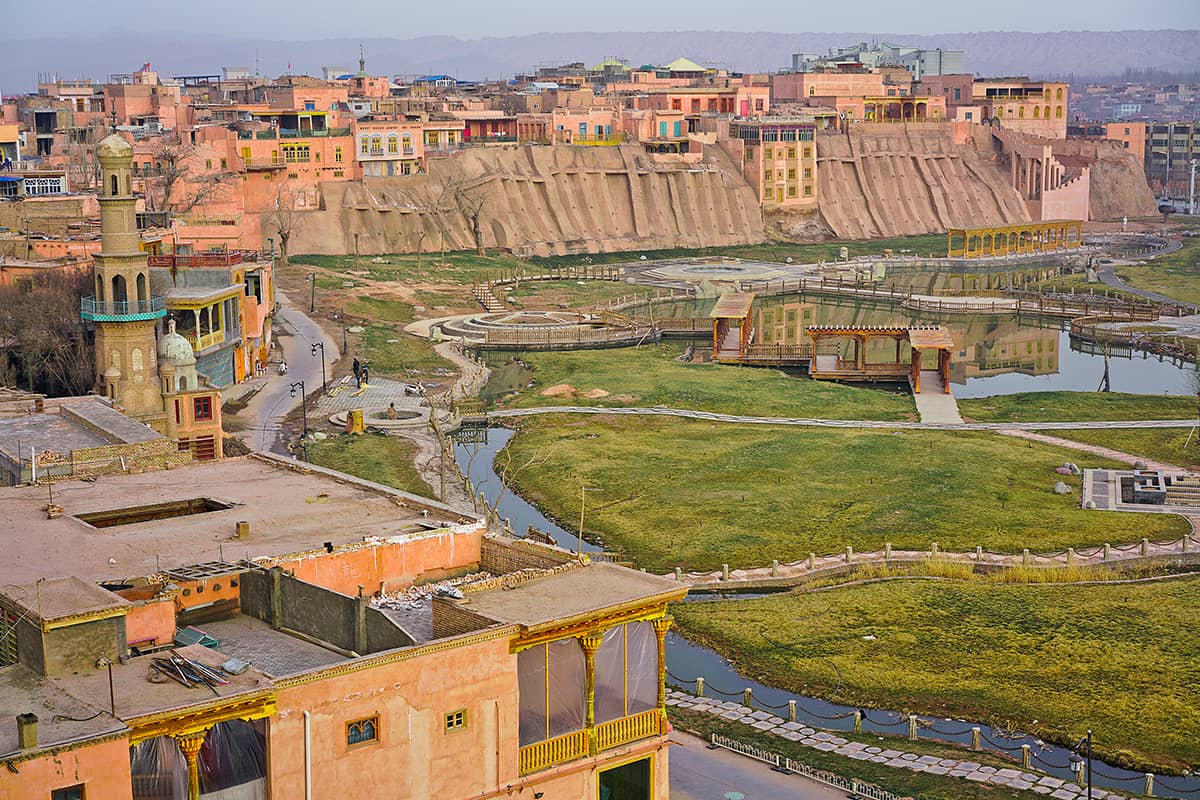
pixel 833 366
pixel 1028 237
pixel 730 341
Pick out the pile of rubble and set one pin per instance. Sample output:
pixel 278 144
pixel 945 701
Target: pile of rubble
pixel 415 596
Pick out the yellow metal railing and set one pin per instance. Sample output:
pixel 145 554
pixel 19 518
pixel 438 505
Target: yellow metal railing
pixel 617 732
pixel 542 755
pixel 206 341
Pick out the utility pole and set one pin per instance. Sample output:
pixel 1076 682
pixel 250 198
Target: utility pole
pixel 1192 190
pixel 304 413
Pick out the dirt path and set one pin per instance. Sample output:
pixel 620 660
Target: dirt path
pixel 1094 449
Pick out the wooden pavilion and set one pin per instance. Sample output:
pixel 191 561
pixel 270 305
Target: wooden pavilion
pixel 833 366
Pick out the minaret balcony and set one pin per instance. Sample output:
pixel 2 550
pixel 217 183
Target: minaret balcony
pixel 122 310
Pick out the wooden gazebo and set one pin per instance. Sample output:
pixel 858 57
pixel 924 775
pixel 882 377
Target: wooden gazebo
pixel 730 308
pixel 833 366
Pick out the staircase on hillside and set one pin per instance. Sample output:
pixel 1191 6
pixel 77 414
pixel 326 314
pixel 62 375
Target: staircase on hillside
pixel 487 299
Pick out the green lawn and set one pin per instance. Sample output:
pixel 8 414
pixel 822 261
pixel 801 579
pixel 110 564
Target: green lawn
pixel 650 375
pixel 1158 444
pixel 568 294
pixel 901 782
pixel 1176 275
pixel 1052 660
pixel 375 457
pixel 373 308
pixel 389 351
pixel 1076 407
pixel 695 494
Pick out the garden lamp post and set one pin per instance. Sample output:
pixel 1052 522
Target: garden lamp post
pixel 342 317
pixel 1077 758
pixel 320 346
pixel 304 414
pixel 312 298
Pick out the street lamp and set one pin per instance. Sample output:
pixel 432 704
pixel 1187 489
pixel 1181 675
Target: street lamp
pixel 304 412
pixel 1077 759
pixel 583 490
pixel 320 346
pixel 342 317
pixel 312 300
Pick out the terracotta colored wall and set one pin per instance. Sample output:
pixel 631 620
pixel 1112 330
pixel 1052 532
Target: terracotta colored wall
pixel 102 768
pixel 388 566
pixel 414 757
pixel 151 619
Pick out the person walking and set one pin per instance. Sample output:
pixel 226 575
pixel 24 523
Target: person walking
pixel 357 374
pixel 364 375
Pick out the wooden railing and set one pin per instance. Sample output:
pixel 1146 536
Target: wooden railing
pixel 205 341
pixel 777 352
pixel 617 732
pixel 542 755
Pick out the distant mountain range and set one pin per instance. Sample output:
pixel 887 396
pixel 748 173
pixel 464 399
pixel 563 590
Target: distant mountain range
pixel 1066 53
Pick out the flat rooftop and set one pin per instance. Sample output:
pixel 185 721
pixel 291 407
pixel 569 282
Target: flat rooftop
pixel 290 508
pixel 559 597
pixel 270 651
pixel 58 598
pixel 69 424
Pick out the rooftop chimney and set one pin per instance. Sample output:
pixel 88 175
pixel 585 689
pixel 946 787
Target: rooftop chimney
pixel 27 731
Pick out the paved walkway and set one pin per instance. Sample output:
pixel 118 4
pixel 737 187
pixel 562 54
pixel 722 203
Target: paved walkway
pixel 1094 449
pixel 698 773
pixel 965 769
pixel 663 411
pixel 934 404
pixel 1108 276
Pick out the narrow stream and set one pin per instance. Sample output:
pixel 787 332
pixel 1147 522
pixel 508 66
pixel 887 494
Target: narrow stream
pixel 686 661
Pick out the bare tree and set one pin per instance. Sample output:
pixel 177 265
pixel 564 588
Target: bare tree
pixel 282 219
pixel 471 200
pixel 42 337
pixel 435 200
pixel 179 186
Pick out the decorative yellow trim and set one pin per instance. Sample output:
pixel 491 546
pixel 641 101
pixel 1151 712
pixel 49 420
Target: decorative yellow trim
pixel 196 719
pixel 192 304
pixel 582 624
pixel 87 616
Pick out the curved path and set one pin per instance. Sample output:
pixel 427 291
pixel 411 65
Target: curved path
pixel 1108 276
pixel 685 413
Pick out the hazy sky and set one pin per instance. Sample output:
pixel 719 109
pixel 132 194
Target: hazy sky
pixel 402 19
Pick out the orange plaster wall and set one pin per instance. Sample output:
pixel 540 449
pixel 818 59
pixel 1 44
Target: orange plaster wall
pixel 214 589
pixel 151 619
pixel 391 565
pixel 102 768
pixel 414 757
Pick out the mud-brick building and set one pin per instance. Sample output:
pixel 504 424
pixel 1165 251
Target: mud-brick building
pixel 538 675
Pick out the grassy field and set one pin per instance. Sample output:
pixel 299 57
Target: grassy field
pixel 567 294
pixel 375 457
pixel 695 494
pixel 388 351
pixel 1176 275
pixel 650 375
pixel 380 310
pixel 1076 407
pixel 1052 660
pixel 1158 444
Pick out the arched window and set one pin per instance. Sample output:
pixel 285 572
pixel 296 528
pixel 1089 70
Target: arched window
pixel 1058 94
pixel 141 287
pixel 1058 112
pixel 1046 112
pixel 377 144
pixel 1037 111
pixel 114 192
pixel 1021 112
pixel 182 383
pixel 118 289
pixel 364 145
pixel 393 144
pixel 100 289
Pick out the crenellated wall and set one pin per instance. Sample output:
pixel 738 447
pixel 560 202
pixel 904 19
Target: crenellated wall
pixel 542 201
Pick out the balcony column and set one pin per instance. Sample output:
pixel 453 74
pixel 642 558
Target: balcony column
pixel 661 626
pixel 590 644
pixel 190 746
pixel 196 341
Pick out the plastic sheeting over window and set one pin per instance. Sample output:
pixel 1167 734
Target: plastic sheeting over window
pixel 626 671
pixel 233 762
pixel 159 770
pixel 551 679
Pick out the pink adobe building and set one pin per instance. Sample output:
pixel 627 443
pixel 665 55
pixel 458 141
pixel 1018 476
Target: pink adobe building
pixel 544 680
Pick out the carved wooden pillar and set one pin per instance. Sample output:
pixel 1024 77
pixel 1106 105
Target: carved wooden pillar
pixel 590 644
pixel 661 626
pixel 190 746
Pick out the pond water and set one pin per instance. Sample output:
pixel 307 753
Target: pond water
pixel 686 661
pixel 993 355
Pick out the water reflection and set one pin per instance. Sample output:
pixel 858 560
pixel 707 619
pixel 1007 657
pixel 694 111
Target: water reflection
pixel 993 355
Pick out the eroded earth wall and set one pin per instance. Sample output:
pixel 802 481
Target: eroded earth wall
pixel 1118 182
pixel 897 180
pixel 541 201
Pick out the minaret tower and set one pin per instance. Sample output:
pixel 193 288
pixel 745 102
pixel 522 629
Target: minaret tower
pixel 123 308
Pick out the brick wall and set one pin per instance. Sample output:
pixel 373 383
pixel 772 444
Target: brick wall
pixel 500 556
pixel 451 619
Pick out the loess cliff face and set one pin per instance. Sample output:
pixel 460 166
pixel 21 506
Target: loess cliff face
pixel 1118 182
pixel 896 180
pixel 542 201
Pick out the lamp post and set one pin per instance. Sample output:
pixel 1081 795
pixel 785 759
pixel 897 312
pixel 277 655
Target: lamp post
pixel 320 346
pixel 583 490
pixel 342 317
pixel 1077 759
pixel 304 413
pixel 312 299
